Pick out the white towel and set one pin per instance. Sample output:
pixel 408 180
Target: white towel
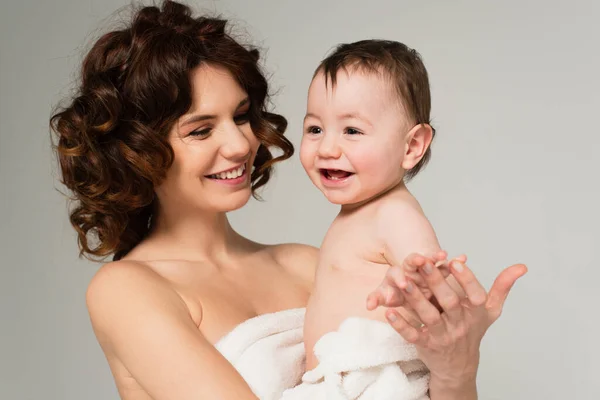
pixel 364 360
pixel 267 351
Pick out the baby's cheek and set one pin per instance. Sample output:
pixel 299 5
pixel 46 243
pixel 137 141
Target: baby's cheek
pixel 367 162
pixel 306 155
pixel 380 156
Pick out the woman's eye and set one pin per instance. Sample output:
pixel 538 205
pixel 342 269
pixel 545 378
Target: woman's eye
pixel 314 130
pixel 241 119
pixel 200 133
pixel 352 131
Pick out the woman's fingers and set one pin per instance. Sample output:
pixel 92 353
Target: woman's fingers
pixel 424 309
pixel 501 288
pixel 462 258
pixel 464 276
pixel 401 325
pixel 445 296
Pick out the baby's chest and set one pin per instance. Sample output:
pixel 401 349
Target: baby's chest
pixel 351 246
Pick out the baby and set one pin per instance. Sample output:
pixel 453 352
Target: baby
pixel 366 132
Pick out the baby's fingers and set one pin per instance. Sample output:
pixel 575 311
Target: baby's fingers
pixel 385 295
pixel 412 262
pixel 439 257
pixel 374 300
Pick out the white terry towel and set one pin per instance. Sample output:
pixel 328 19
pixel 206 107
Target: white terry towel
pixel 267 351
pixel 363 359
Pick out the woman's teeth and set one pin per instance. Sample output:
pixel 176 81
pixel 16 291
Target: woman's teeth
pixel 235 173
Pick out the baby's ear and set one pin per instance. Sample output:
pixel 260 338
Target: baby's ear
pixel 416 144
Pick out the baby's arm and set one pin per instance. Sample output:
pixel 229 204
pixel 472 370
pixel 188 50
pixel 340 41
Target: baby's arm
pixel 409 243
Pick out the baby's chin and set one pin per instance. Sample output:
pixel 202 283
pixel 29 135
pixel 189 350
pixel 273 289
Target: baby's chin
pixel 347 200
pixel 340 199
pixel 337 196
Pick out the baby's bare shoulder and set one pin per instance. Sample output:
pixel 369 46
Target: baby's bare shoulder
pixel 403 223
pixel 399 210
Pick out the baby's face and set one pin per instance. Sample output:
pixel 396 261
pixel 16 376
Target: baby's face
pixel 354 142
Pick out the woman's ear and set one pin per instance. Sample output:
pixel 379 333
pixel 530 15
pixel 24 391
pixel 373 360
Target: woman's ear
pixel 417 142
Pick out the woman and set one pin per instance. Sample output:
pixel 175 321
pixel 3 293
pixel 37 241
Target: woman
pixel 169 132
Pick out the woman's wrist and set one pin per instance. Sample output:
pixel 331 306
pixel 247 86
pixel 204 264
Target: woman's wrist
pixel 440 389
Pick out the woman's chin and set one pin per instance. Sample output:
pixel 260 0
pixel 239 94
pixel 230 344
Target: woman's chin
pixel 234 201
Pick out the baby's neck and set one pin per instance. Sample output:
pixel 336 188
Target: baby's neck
pixel 399 189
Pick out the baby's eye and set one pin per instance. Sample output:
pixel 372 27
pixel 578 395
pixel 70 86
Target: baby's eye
pixel 315 130
pixel 352 131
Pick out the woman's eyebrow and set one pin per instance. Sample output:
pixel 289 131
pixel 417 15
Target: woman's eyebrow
pixel 203 117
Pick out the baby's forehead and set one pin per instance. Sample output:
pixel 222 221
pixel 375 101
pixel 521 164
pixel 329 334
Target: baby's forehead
pixel 358 87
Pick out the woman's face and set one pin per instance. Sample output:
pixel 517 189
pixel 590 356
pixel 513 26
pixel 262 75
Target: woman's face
pixel 214 147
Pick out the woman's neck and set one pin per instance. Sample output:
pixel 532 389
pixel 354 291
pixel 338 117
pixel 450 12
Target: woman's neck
pixel 193 235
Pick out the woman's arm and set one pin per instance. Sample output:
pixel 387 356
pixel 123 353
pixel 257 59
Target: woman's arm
pixel 449 341
pixel 139 319
pixel 452 391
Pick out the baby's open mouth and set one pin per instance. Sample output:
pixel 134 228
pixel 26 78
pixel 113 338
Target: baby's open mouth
pixel 335 174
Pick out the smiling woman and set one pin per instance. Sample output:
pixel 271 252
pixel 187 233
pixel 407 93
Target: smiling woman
pixel 165 76
pixel 168 132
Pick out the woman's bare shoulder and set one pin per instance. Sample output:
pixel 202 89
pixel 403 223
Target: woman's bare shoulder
pixel 140 320
pixel 127 282
pixel 123 273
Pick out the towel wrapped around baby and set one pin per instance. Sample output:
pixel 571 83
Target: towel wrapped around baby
pixel 363 359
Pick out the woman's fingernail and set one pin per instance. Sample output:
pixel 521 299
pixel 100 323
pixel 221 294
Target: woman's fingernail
pixel 457 266
pixel 392 317
pixel 409 287
pixel 428 269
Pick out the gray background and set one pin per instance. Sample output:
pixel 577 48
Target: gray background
pixel 513 176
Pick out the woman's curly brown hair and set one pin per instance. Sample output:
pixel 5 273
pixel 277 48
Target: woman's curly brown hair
pixel 111 140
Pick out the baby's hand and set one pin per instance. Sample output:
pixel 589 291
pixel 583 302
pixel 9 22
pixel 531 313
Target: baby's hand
pixel 389 293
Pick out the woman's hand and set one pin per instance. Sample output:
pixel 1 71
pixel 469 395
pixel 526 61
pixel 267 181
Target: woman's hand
pixel 389 293
pixel 448 340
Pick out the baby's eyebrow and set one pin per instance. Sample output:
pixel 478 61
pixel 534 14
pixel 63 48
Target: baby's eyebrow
pixel 354 115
